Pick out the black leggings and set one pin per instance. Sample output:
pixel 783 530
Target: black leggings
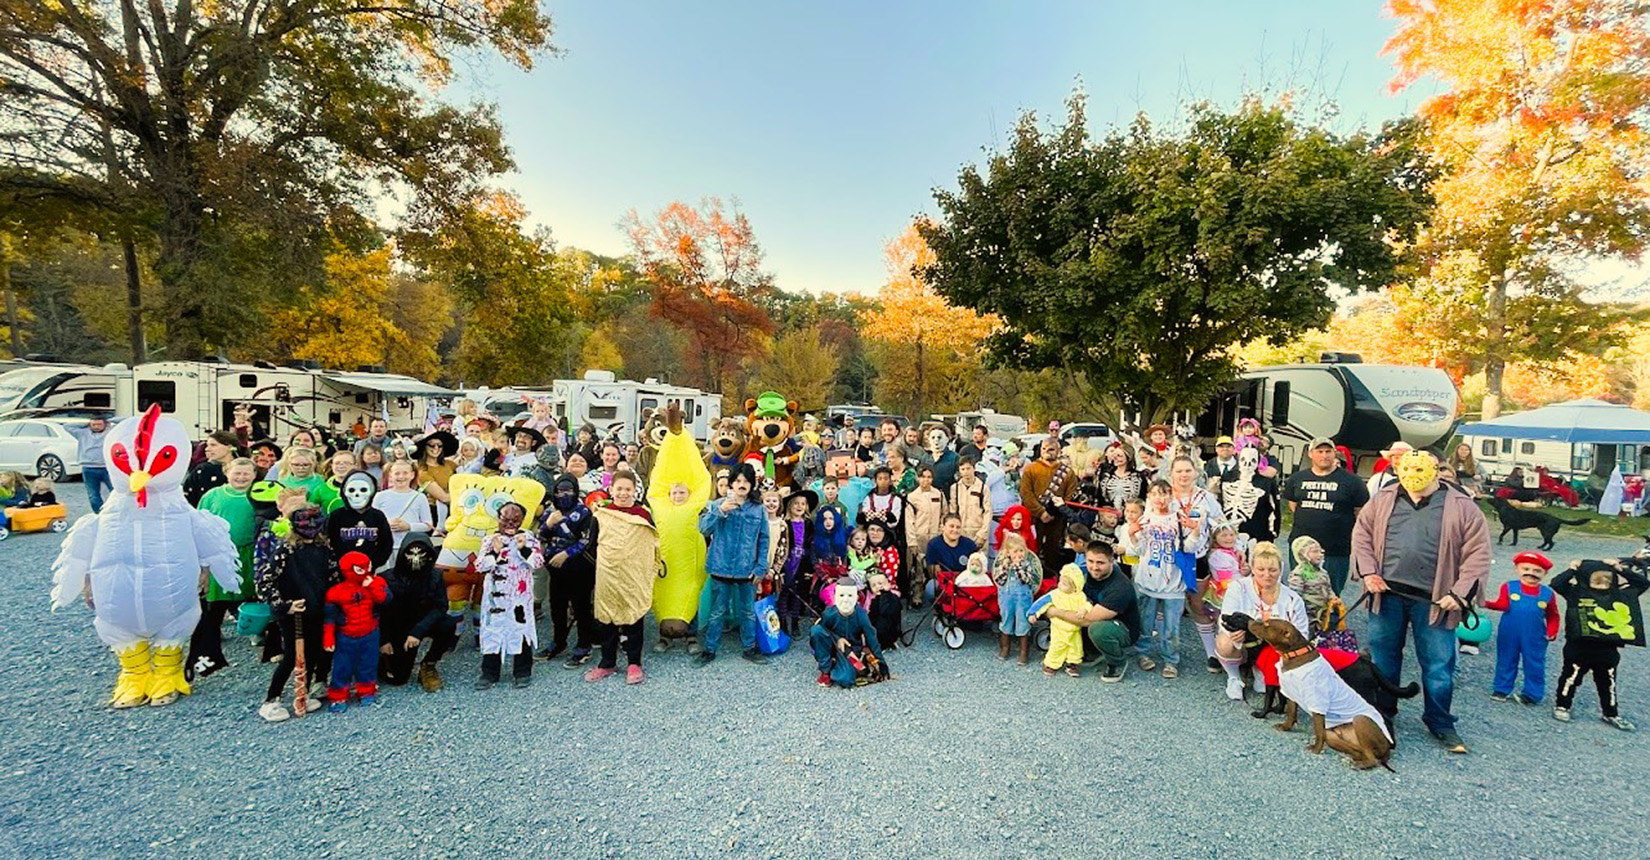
pixel 632 634
pixel 571 588
pixel 521 665
pixel 317 662
pixel 1580 657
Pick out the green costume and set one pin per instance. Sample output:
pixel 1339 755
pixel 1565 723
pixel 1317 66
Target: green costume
pixel 236 509
pixel 328 495
pixel 308 484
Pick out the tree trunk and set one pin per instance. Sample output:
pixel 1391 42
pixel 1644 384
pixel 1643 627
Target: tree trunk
pixel 1495 361
pixel 922 393
pixel 11 301
pixel 134 305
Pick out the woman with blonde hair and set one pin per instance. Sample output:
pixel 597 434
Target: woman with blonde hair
pixel 1261 596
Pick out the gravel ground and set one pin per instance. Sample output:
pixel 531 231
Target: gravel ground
pixel 959 755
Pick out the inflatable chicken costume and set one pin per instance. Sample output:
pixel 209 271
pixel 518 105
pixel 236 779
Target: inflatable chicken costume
pixel 142 559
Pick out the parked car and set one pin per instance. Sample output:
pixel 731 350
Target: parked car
pixel 40 447
pixel 1098 434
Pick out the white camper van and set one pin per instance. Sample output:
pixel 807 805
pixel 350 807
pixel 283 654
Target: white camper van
pixel 1365 407
pixel 615 405
pixel 57 389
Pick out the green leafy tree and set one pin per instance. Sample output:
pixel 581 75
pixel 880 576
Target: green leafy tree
pixel 1142 259
pixel 799 366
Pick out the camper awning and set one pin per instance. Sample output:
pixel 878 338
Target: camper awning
pixel 1573 421
pixel 385 383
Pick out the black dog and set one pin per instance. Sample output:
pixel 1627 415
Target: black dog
pixel 1361 675
pixel 1514 518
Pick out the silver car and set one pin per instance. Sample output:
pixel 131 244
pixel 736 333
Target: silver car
pixel 39 447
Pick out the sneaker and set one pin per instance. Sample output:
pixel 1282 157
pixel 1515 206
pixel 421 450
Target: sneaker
pixel 1619 723
pixel 705 657
pixel 1498 697
pixel 1469 649
pixel 1048 672
pixel 634 675
pixel 824 679
pixel 694 648
pixel 337 707
pixel 1234 689
pixel 523 681
pixel 1170 672
pixel 273 712
pixel 1561 714
pixel 752 655
pixel 1451 741
pixel 1525 700
pixel 1147 664
pixel 579 657
pixel 661 646
pixel 598 673
pixel 1113 674
pixel 1214 666
pixel 1073 671
pixel 549 654
pixel 485 683
pixel 368 701
pixel 429 678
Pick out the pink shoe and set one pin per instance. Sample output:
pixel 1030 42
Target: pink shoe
pixel 633 675
pixel 597 674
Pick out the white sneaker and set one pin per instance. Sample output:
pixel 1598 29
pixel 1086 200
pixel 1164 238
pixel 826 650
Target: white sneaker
pixel 1234 689
pixel 1469 649
pixel 273 712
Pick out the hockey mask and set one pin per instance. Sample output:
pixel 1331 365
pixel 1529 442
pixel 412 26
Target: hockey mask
pixel 1417 471
pixel 1248 461
pixel 510 517
pixel 846 596
pixel 358 490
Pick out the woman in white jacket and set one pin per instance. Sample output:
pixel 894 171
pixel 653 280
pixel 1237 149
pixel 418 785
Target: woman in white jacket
pixel 1263 596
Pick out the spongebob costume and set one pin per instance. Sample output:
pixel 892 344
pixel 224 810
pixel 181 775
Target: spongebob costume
pixel 140 560
pixel 676 594
pixel 476 500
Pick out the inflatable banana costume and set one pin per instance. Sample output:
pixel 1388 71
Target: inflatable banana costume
pixel 142 559
pixel 676 594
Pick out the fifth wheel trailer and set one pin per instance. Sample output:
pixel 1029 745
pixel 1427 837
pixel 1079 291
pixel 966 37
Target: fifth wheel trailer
pixel 1365 407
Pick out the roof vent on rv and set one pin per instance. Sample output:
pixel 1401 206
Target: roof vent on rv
pixel 599 376
pixel 265 365
pixel 304 364
pixel 371 368
pixel 1340 358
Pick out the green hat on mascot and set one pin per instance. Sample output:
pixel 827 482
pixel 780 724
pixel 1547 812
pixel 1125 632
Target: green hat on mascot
pixel 771 404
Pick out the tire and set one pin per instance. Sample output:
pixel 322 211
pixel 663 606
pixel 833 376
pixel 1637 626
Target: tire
pixel 939 626
pixel 60 525
pixel 4 533
pixel 50 466
pixel 954 638
pixel 1042 637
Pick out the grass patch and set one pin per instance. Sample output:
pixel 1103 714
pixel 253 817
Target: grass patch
pixel 1596 525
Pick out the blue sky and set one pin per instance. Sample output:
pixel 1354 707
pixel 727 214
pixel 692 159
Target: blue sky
pixel 832 123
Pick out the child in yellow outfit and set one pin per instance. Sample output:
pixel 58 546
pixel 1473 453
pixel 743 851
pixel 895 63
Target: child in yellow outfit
pixel 1065 640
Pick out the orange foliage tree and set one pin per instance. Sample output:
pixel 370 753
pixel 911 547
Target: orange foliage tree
pixel 706 271
pixel 918 331
pixel 1541 136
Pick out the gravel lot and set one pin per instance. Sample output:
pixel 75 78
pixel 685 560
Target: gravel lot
pixel 960 755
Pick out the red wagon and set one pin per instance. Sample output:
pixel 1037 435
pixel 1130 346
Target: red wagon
pixel 955 606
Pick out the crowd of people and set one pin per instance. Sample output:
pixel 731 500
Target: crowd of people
pixel 346 557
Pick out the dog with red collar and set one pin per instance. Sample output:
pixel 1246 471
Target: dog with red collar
pixel 1341 719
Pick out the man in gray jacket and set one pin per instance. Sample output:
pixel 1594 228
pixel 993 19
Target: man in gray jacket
pixel 1422 551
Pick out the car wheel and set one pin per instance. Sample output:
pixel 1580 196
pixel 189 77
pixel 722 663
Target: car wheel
pixel 49 466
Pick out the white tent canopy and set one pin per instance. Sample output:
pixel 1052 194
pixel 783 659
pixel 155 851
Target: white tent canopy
pixel 1573 421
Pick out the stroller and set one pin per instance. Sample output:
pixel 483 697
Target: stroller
pixel 955 606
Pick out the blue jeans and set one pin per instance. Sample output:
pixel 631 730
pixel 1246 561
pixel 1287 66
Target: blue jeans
pixel 1434 650
pixel 1161 616
pixel 97 480
pixel 1337 567
pixel 736 599
pixel 1014 601
pixel 830 660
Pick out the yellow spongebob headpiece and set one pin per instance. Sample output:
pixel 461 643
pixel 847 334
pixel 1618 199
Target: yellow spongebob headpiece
pixel 476 500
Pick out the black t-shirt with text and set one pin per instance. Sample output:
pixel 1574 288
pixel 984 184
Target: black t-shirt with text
pixel 1326 506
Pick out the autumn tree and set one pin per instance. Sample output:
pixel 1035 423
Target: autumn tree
pixel 1541 131
pixel 706 271
pixel 923 345
pixel 244 136
pixel 342 320
pixel 799 366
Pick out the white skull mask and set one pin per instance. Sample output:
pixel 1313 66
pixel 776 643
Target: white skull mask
pixel 1248 463
pixel 358 490
pixel 936 440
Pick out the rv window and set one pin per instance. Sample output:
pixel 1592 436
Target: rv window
pixel 1526 448
pixel 1487 449
pixel 162 391
pixel 1506 446
pixel 335 418
pixel 603 413
pixel 1280 404
pixel 698 409
pixel 249 380
pixel 363 397
pixel 99 400
pixel 1582 459
pixel 650 403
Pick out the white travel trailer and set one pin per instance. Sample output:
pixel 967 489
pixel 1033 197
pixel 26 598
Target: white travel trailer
pixel 1365 407
pixel 615 405
pixel 203 395
pixel 1577 442
pixel 45 388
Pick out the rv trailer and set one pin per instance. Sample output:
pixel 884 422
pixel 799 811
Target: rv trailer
pixel 68 390
pixel 613 405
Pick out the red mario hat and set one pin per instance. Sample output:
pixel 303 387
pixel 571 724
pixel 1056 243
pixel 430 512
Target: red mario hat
pixel 352 560
pixel 1534 558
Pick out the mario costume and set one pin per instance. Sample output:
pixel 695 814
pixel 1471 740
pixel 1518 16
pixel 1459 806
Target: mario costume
pixel 351 631
pixel 1529 622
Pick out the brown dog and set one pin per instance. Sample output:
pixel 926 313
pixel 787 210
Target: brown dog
pixel 1358 732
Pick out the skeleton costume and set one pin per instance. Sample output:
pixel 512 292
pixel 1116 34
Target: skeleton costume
pixel 1251 499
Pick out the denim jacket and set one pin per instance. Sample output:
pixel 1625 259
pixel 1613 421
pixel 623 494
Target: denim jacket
pixel 738 540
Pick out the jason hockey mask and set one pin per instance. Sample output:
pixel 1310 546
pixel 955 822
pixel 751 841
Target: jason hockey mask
pixel 1417 471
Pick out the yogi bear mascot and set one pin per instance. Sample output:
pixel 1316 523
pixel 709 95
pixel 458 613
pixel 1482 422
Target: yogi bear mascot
pixel 139 561
pixel 677 490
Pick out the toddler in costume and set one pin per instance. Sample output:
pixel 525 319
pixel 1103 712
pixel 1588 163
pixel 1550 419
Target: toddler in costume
pixel 1602 615
pixel 1529 621
pixel 351 632
pixel 1065 642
